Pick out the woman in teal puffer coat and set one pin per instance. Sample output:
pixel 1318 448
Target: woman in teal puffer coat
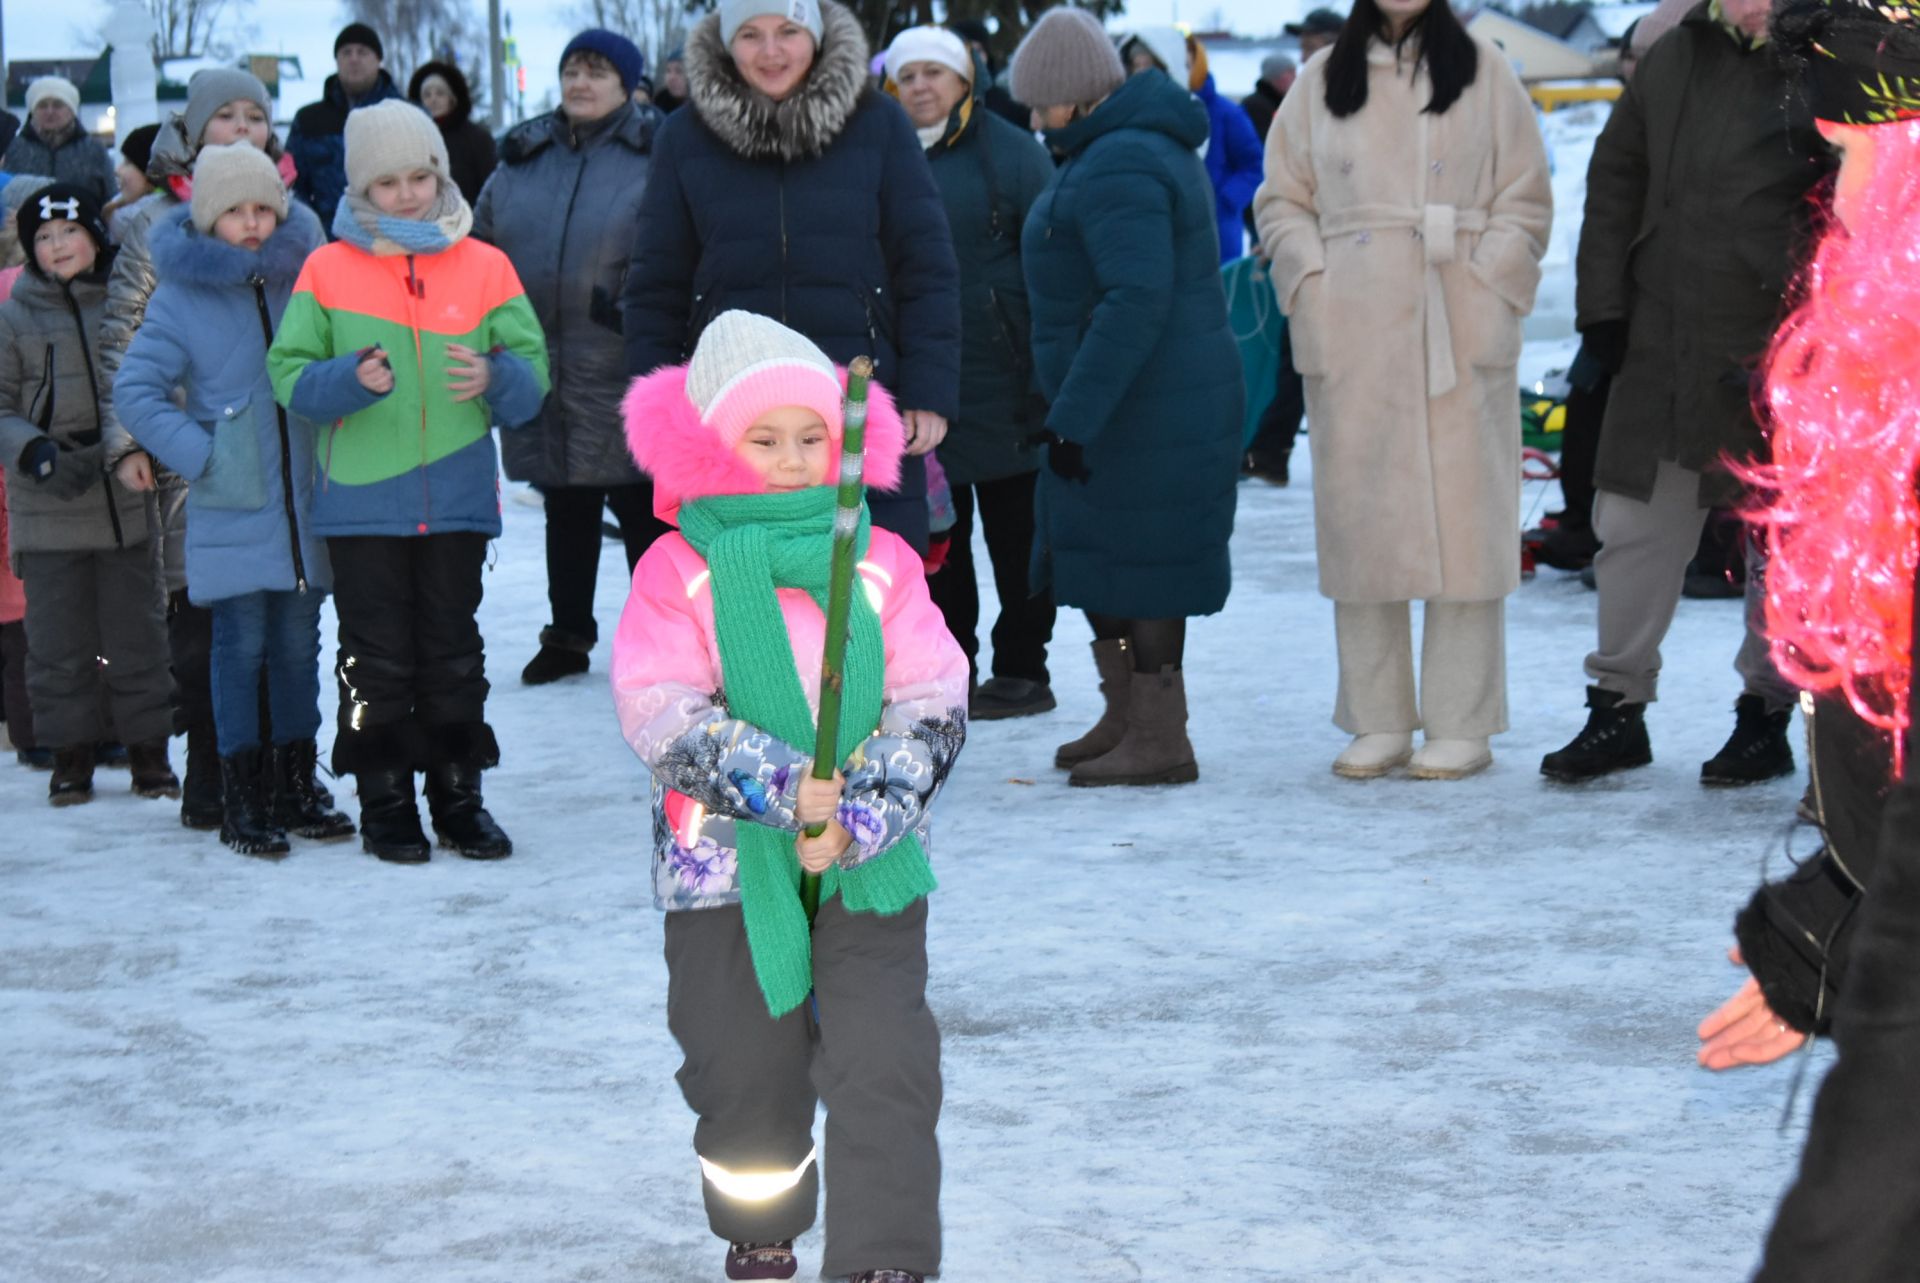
pixel 1133 349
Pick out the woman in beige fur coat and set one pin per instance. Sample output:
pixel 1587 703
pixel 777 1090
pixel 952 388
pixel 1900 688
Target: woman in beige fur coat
pixel 1405 209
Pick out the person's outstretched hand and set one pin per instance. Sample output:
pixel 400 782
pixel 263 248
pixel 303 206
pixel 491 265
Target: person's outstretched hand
pixel 1744 1031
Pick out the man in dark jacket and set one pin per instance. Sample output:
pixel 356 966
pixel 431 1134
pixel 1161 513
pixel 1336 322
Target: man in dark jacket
pixel 9 126
pixel 821 214
pixel 1695 200
pixel 54 143
pixel 317 140
pixel 1276 77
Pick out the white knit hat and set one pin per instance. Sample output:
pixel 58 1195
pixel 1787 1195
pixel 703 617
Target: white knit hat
pixel 1168 45
pixel 225 176
pixel 392 137
pixel 929 44
pixel 52 87
pixel 735 14
pixel 746 364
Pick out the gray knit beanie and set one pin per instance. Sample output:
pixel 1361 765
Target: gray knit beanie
pixel 735 14
pixel 1066 59
pixel 392 137
pixel 213 88
pixel 225 176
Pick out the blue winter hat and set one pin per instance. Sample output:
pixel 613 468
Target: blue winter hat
pixel 628 62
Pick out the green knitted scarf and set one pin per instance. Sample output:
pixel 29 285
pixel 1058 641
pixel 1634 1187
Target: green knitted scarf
pixel 754 544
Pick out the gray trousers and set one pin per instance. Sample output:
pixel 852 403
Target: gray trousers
pixel 1645 548
pixel 1463 669
pixel 873 1057
pixel 94 619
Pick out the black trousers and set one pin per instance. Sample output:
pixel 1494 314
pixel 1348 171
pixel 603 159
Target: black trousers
pixel 190 650
pixel 1280 424
pixel 573 545
pixel 1025 625
pixel 410 646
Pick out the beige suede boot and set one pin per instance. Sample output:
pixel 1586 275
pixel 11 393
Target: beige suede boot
pixel 1113 660
pixel 1155 749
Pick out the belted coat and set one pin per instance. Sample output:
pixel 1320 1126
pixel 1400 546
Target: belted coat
pixel 1406 250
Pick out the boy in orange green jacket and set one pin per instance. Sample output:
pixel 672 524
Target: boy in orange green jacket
pixel 407 340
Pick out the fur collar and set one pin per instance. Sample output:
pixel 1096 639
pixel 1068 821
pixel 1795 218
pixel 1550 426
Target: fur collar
pixel 805 124
pixel 183 253
pixel 686 460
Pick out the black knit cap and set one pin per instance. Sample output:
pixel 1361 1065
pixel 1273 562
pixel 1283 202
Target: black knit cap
pixel 1860 62
pixel 74 203
pixel 359 33
pixel 137 147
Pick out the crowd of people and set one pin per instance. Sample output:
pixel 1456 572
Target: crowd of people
pixel 239 374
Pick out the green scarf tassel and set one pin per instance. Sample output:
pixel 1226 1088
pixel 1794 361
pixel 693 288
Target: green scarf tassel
pixel 753 545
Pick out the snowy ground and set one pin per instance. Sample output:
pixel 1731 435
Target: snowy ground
pixel 1272 1026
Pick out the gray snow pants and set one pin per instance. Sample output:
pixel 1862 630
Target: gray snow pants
pixel 95 618
pixel 873 1058
pixel 1642 563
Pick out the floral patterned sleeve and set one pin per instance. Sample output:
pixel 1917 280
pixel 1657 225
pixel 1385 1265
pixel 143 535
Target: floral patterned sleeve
pixel 896 774
pixel 665 690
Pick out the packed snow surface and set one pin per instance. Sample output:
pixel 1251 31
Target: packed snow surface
pixel 1271 1026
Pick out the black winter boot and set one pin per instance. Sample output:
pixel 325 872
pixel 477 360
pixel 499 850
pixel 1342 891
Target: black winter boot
pixel 200 806
pixel 562 654
pixel 297 806
pixel 1757 750
pixel 761 1260
pixel 456 755
pixel 72 781
pixel 1614 739
pixel 246 825
pixel 389 815
pixel 152 773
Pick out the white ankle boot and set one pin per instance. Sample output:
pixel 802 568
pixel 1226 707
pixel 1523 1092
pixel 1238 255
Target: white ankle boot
pixel 1371 756
pixel 1450 759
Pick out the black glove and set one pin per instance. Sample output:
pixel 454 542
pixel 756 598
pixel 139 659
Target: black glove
pixel 39 459
pixel 78 472
pixel 1606 342
pixel 1066 460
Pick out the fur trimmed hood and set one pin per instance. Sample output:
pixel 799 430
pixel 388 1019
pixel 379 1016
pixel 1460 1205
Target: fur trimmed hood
pixel 807 122
pixel 686 459
pixel 188 256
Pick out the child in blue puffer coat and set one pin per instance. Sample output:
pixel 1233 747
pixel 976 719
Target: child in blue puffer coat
pixel 226 265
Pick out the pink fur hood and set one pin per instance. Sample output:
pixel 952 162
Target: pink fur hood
pixel 688 460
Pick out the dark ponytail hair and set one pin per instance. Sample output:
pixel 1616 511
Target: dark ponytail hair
pixel 1451 57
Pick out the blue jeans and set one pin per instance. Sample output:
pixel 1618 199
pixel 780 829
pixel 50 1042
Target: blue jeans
pixel 281 632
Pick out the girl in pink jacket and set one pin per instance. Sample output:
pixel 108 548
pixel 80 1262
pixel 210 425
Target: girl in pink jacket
pixel 716 671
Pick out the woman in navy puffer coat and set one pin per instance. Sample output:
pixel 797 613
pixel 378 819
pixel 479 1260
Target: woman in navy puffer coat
pixel 817 210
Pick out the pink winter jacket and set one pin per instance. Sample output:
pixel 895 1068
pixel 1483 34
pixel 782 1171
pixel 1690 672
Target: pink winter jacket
pixel 712 771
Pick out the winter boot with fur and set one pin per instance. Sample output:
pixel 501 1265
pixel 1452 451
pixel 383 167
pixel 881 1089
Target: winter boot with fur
pixel 200 791
pixel 72 781
pixel 246 825
pixel 1757 750
pixel 152 774
pixel 1614 739
pixel 1444 759
pixel 1113 660
pixel 1154 749
pixel 390 815
pixel 297 806
pixel 561 654
pixel 1368 757
pixel 456 757
pixel 887 1276
pixel 761 1260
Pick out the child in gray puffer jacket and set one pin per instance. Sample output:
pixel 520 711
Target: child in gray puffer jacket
pixel 93 600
